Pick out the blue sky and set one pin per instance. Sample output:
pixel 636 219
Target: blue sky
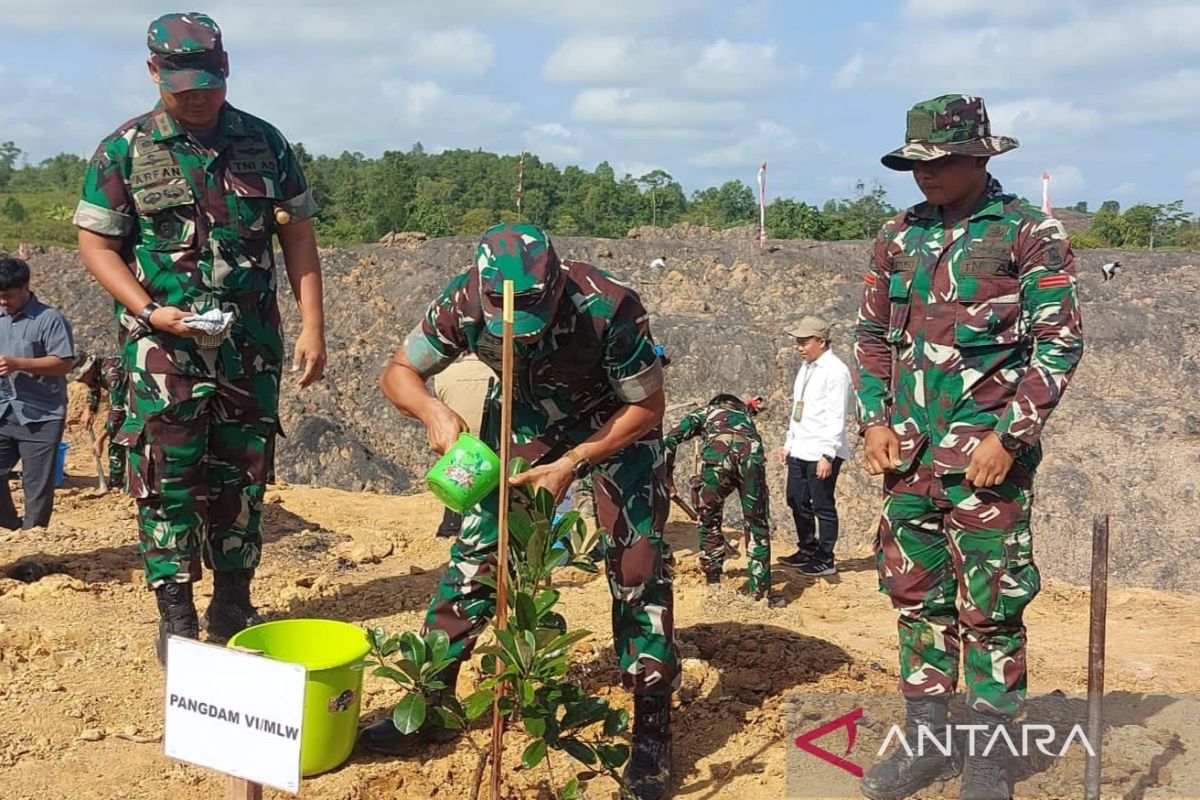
pixel 1105 94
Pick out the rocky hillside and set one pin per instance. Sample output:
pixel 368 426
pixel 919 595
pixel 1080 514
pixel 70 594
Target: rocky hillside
pixel 1126 440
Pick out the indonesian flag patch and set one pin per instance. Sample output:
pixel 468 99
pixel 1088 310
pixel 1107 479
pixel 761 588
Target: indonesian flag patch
pixel 1054 282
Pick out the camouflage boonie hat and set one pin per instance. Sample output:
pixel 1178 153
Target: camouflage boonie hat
pixel 187 50
pixel 522 254
pixel 947 125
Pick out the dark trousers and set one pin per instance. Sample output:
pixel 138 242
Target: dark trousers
pixel 812 503
pixel 451 525
pixel 35 445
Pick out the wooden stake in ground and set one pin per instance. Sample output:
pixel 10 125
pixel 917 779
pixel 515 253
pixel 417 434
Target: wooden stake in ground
pixel 242 789
pixel 506 393
pixel 1095 699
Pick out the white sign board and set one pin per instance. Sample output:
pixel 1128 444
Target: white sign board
pixel 234 712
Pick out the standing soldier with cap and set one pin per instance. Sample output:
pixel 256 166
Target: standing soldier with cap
pixel 732 458
pixel 968 333
pixel 588 401
pixel 179 209
pixel 106 374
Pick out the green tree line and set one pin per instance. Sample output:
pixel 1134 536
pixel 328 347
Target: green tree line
pixel 464 192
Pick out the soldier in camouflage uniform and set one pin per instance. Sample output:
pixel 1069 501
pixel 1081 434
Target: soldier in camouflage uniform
pixel 106 374
pixel 179 209
pixel 967 335
pixel 732 459
pixel 588 399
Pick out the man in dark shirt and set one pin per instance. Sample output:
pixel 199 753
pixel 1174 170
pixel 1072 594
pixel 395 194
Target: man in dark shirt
pixel 36 353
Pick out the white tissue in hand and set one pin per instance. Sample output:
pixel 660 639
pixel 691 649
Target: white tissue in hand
pixel 212 322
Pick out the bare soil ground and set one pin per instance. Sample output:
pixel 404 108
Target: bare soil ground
pixel 81 696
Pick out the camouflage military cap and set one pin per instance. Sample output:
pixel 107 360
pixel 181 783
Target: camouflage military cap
pixel 520 253
pixel 187 50
pixel 947 125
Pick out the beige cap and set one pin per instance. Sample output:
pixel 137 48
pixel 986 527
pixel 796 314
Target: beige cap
pixel 810 326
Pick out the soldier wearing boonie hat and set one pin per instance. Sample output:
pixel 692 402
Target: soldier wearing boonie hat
pixel 588 401
pixel 177 220
pixel 968 333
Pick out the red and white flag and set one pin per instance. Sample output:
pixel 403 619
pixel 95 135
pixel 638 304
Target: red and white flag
pixel 1046 194
pixel 762 204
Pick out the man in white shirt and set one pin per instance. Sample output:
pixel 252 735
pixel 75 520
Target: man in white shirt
pixel 815 447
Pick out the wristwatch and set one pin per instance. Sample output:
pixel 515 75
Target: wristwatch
pixel 580 466
pixel 143 316
pixel 1011 443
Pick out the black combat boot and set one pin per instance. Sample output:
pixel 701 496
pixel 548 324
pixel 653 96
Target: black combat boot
pixel 648 774
pixel 230 610
pixel 712 578
pixel 384 737
pixel 177 616
pixel 902 774
pixel 986 777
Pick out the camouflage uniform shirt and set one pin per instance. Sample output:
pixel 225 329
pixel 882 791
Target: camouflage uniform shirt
pixel 722 427
pixel 109 376
pixel 596 355
pixel 967 330
pixel 197 223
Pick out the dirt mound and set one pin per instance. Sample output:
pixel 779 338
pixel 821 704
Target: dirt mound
pixel 1123 442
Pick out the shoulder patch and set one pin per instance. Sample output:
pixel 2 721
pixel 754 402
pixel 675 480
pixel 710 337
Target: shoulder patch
pixel 1054 282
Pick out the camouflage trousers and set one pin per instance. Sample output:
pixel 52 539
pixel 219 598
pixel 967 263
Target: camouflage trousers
pixel 116 452
pixel 745 472
pixel 583 499
pixel 631 505
pixel 957 563
pixel 200 454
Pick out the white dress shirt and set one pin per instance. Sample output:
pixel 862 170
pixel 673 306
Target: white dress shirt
pixel 823 387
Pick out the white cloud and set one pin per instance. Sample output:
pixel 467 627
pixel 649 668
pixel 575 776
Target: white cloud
pixel 928 11
pixel 1041 119
pixel 635 169
pixel 632 108
pixel 720 67
pixel 726 67
pixel 1165 98
pixel 1067 184
pixel 766 140
pixel 553 142
pixel 453 53
pixel 851 72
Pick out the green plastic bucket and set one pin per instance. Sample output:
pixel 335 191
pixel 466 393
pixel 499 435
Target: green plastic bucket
pixel 467 473
pixel 332 691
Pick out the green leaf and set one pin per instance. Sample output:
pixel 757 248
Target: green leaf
pixel 535 725
pixel 486 580
pixel 445 718
pixel 570 790
pixel 376 637
pixel 412 647
pixel 527 615
pixel 616 721
pixel 487 664
pixel 543 504
pixel 613 756
pixel 554 621
pixel 584 712
pixel 438 642
pixel 476 704
pixel 534 754
pixel 536 551
pixel 545 601
pixel 565 640
pixel 399 677
pixel 409 713
pixel 410 669
pixel 526 689
pixel 520 528
pixel 578 750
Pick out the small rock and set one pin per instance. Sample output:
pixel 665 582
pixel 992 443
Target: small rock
pixel 413 569
pixel 91 735
pixel 52 686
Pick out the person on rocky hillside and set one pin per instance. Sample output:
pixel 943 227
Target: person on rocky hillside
pixel 732 459
pixel 37 350
pixel 106 374
pixel 1109 270
pixel 177 221
pixel 815 447
pixel 968 333
pixel 588 401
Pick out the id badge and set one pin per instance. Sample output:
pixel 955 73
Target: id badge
pixel 797 411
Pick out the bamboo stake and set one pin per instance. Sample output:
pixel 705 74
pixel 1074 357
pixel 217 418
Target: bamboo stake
pixel 1099 613
pixel 506 393
pixel 242 789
